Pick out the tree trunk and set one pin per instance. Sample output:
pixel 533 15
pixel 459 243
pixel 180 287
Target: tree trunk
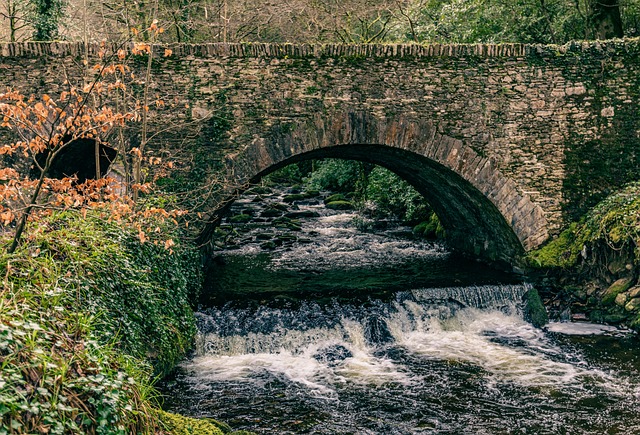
pixel 606 22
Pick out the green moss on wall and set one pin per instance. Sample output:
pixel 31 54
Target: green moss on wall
pixel 614 224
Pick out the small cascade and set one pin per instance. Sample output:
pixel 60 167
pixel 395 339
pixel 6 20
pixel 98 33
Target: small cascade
pixel 473 296
pixel 331 330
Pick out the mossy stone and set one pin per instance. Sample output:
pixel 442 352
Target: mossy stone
pixel 268 245
pixel 259 190
pixel 264 236
pixel 620 286
pixel 633 305
pixel 293 197
pixel 340 205
pixel 311 193
pixel 177 424
pixel 534 310
pixel 240 218
pixel 271 212
pixel 335 197
pixel 302 214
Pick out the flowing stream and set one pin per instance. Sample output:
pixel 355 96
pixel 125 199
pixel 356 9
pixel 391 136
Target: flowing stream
pixel 333 330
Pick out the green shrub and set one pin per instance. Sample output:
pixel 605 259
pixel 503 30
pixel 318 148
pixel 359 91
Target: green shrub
pixel 87 314
pixel 395 197
pixel 336 175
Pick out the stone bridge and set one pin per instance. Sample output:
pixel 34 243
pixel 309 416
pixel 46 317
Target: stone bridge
pixel 508 143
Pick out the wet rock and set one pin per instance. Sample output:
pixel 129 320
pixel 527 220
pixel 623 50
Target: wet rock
pixel 287 238
pixel 619 286
pixel 240 218
pixel 534 311
pixel 332 355
pixel 339 205
pixel 279 206
pixel 633 304
pixel 634 292
pixel 282 222
pixel 264 236
pixel 271 212
pixel 293 197
pixel 302 214
pixel 268 245
pixel 614 318
pixel 259 190
pixel 335 197
pixel 376 331
pixel 621 299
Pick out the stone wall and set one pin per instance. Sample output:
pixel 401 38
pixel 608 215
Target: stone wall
pixel 542 132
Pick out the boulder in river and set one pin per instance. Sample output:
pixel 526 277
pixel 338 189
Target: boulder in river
pixel 340 205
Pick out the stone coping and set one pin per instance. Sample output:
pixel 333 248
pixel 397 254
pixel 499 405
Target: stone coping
pixel 283 51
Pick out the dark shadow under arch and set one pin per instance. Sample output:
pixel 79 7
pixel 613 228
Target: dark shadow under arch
pixel 484 213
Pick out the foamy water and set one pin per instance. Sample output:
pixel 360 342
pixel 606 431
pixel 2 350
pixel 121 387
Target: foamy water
pixel 455 359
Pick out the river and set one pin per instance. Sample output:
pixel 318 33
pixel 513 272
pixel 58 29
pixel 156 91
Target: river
pixel 330 329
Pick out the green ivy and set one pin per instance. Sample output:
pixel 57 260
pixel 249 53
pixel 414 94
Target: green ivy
pixel 87 314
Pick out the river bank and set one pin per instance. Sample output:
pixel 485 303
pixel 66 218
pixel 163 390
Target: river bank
pixel 592 270
pixel 89 316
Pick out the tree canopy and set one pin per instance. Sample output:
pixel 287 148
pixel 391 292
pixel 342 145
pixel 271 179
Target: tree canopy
pixel 323 21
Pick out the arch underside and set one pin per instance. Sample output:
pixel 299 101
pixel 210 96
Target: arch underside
pixel 482 211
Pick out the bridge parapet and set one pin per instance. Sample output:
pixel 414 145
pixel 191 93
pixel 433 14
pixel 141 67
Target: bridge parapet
pixel 558 125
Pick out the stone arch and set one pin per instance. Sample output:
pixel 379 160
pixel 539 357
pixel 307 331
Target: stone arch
pixel 484 213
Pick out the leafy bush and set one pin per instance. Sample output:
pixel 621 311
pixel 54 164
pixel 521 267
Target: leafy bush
pixel 87 313
pixel 290 174
pixel 336 175
pixel 395 197
pixel 613 223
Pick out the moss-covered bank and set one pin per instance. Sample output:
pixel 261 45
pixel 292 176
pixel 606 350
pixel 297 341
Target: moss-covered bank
pixel 593 267
pixel 88 315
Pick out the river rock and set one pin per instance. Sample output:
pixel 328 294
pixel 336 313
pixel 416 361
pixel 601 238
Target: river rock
pixel 293 197
pixel 287 238
pixel 633 304
pixel 259 190
pixel 376 331
pixel 339 205
pixel 240 218
pixel 634 292
pixel 619 286
pixel 268 245
pixel 534 310
pixel 264 236
pixel 302 214
pixel 332 355
pixel 621 299
pixel 335 197
pixel 271 212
